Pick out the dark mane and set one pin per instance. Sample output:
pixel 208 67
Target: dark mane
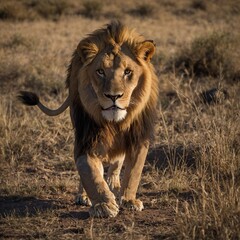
pixel 69 69
pixel 86 129
pixel 142 129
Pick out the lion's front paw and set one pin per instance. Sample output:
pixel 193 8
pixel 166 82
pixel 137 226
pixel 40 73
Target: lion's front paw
pixel 83 200
pixel 135 204
pixel 102 210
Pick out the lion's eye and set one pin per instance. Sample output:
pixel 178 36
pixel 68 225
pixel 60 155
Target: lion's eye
pixel 100 72
pixel 127 71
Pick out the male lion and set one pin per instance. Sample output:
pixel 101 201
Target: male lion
pixel 113 94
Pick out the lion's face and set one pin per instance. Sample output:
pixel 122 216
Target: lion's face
pixel 113 78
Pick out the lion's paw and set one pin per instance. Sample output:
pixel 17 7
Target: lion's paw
pixel 83 200
pixel 135 204
pixel 103 210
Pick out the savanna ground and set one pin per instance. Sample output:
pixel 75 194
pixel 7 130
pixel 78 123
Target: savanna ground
pixel 191 180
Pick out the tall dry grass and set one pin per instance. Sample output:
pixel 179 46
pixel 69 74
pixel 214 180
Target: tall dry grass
pixel 213 212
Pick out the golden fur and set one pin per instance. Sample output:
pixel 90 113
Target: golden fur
pixel 113 94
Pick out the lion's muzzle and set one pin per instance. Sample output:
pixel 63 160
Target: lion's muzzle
pixel 114 113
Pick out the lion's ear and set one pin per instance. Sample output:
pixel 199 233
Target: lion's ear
pixel 87 51
pixel 146 50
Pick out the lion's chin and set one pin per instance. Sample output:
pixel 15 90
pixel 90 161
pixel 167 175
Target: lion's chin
pixel 115 115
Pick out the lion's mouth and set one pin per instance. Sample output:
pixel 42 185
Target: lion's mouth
pixel 114 113
pixel 113 108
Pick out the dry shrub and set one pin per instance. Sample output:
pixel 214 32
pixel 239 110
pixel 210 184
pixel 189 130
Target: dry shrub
pixel 50 8
pixel 13 10
pixel 33 9
pixel 92 8
pixel 142 10
pixel 199 4
pixel 210 55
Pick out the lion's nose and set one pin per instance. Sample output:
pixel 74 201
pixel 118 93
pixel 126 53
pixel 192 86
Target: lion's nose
pixel 113 97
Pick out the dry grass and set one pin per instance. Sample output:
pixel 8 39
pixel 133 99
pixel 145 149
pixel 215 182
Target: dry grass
pixel 212 55
pixel 191 180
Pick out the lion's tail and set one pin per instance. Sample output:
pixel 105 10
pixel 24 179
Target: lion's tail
pixel 31 99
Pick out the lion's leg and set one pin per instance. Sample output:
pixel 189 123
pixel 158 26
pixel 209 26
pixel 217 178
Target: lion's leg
pixel 113 175
pixel 82 197
pixel 133 169
pixel 91 174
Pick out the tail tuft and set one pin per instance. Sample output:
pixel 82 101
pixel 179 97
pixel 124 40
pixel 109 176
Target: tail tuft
pixel 28 98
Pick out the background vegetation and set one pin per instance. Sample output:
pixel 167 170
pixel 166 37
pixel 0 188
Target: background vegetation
pixel 191 180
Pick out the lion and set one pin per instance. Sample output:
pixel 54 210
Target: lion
pixel 113 96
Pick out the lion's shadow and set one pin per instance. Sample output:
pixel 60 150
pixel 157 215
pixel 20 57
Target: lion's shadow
pixel 31 206
pixel 25 206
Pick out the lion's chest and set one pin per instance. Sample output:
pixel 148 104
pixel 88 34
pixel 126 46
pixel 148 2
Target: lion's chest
pixel 109 147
